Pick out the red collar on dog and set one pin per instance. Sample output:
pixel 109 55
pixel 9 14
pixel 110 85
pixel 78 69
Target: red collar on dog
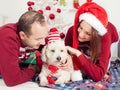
pixel 53 69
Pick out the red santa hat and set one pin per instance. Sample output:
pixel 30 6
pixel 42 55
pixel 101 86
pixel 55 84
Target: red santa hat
pixel 54 35
pixel 96 16
pixel 93 14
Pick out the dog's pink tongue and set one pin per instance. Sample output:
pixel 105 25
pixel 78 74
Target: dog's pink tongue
pixel 53 68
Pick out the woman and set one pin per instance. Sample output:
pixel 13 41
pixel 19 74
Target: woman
pixel 90 39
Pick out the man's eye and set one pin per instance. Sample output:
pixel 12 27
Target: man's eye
pixel 39 38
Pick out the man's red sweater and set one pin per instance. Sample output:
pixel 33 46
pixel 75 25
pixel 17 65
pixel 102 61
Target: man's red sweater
pixel 10 44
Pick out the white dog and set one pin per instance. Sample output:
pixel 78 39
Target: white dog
pixel 52 55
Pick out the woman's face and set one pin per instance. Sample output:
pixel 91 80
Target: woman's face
pixel 84 32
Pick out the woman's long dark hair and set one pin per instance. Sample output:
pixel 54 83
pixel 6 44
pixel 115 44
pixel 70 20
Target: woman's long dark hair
pixel 94 45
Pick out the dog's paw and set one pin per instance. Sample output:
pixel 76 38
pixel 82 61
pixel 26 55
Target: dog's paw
pixel 43 83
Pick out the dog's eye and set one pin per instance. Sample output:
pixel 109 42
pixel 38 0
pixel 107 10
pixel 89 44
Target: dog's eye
pixel 62 50
pixel 52 50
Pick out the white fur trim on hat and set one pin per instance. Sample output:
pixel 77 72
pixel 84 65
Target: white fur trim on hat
pixel 94 22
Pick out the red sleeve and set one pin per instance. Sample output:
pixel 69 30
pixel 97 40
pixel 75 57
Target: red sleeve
pixel 97 71
pixel 9 53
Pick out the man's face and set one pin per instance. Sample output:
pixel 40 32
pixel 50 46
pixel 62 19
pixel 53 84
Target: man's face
pixel 37 37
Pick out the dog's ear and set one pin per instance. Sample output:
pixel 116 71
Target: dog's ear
pixel 43 54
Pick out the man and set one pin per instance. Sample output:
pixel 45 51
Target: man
pixel 16 41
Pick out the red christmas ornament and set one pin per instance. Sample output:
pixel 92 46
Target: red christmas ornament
pixel 52 16
pixel 59 10
pixel 40 11
pixel 30 8
pixel 76 5
pixel 48 8
pixel 62 35
pixel 30 3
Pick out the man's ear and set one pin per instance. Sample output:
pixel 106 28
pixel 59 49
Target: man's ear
pixel 22 35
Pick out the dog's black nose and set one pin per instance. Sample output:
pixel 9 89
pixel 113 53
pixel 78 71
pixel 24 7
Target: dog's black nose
pixel 58 58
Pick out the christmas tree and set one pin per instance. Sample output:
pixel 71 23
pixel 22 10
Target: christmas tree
pixel 58 13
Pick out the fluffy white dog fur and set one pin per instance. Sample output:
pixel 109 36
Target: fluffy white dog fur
pixel 53 54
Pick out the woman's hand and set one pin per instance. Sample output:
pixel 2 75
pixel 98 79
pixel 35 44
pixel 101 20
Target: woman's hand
pixel 67 64
pixel 73 51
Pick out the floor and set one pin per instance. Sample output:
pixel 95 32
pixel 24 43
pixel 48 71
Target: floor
pixel 25 86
